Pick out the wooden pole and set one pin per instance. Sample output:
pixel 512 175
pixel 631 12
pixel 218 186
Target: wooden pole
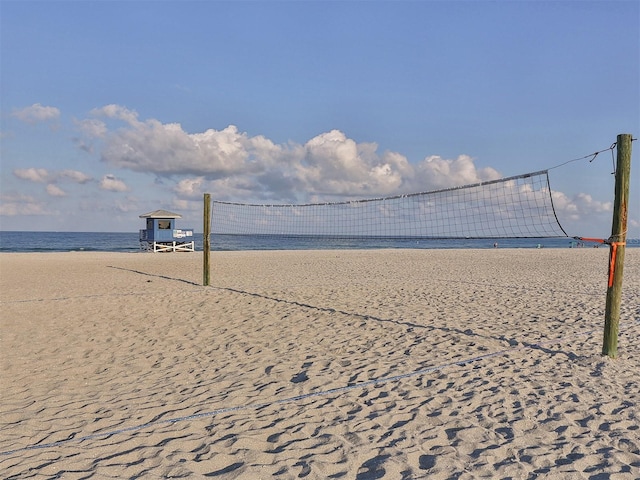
pixel 206 239
pixel 617 243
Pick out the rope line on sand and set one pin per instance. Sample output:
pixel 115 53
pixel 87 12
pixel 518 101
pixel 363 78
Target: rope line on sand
pixel 283 401
pixel 76 297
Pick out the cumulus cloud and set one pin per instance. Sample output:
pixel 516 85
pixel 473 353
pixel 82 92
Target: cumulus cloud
pixel 117 112
pixel 166 149
pixel 437 173
pixel 581 214
pixel 588 205
pixel 36 113
pixel 92 127
pixel 336 165
pixel 42 175
pixel 238 166
pixel 55 191
pixel 190 187
pixel 578 206
pixel 75 176
pixel 113 184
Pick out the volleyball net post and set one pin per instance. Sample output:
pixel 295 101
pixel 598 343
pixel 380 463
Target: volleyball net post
pixel 206 240
pixel 617 243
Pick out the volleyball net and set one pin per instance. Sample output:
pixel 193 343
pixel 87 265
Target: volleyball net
pixel 515 207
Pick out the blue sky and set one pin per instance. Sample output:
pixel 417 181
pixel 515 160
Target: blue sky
pixel 116 108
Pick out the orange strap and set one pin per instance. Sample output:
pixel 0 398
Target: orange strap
pixel 596 240
pixel 613 250
pixel 612 260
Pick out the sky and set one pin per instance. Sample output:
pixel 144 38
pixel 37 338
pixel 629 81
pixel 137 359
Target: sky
pixel 112 109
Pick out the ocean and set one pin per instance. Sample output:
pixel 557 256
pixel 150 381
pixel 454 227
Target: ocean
pixel 128 242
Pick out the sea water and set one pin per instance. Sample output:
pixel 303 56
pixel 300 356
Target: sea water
pixel 129 242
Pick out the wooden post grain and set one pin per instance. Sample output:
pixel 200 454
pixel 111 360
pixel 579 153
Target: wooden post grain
pixel 206 239
pixel 617 243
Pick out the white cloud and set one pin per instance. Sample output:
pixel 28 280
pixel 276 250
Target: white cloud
pixel 435 172
pixel 588 205
pixel 36 113
pixel 166 149
pixel 336 165
pixel 329 164
pixel 92 127
pixel 117 112
pixel 562 203
pixel 113 184
pixel 55 191
pixel 75 176
pixel 580 214
pixel 40 175
pixel 578 206
pixel 190 187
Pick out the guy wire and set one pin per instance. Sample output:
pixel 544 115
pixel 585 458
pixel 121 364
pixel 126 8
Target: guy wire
pixel 592 157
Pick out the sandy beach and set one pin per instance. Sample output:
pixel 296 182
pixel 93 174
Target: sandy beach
pixel 392 364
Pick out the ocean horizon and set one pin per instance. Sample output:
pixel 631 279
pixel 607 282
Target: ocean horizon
pixel 29 241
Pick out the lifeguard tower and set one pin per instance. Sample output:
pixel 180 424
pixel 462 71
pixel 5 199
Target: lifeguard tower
pixel 161 234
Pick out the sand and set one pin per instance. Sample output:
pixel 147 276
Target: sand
pixel 392 364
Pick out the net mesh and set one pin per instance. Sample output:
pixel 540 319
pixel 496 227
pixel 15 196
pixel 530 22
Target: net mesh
pixel 514 207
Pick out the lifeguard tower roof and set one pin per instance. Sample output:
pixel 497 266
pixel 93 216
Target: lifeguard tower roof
pixel 161 214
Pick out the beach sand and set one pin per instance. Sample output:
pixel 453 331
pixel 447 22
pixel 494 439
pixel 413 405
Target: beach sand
pixel 392 364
